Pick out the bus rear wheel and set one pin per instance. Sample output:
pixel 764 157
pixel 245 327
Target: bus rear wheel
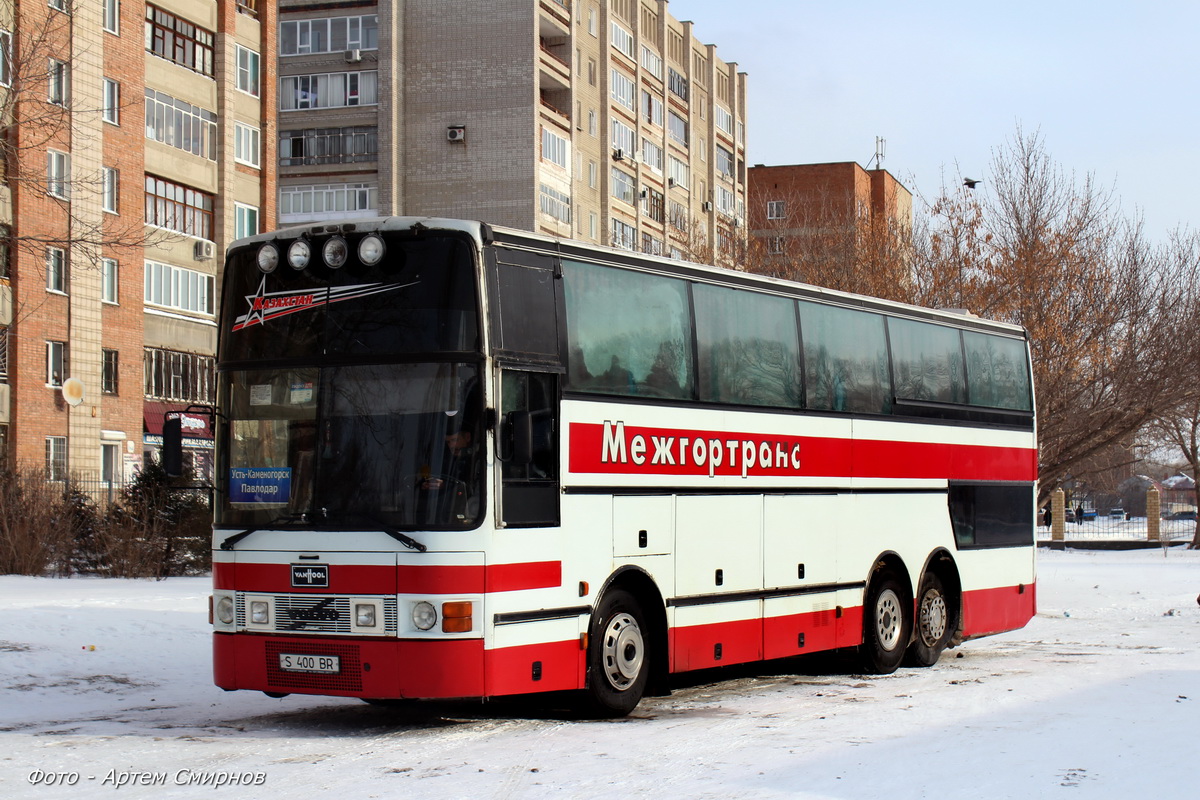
pixel 934 623
pixel 887 625
pixel 618 656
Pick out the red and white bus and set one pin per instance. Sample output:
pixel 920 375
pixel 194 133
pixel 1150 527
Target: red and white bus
pixel 463 461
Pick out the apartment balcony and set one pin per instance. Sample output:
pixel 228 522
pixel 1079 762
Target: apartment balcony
pixel 558 10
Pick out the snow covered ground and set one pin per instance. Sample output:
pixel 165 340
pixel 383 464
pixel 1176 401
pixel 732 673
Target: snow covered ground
pixel 1099 697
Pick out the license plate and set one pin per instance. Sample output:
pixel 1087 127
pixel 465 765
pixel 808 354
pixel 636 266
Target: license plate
pixel 294 662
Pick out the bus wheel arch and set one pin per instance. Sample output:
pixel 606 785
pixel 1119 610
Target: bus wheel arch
pixel 887 616
pixel 627 645
pixel 937 611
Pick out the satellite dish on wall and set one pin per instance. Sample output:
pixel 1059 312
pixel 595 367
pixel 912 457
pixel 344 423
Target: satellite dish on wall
pixel 72 391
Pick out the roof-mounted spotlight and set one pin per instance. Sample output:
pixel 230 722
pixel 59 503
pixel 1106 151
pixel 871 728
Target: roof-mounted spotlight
pixel 370 250
pixel 335 252
pixel 299 254
pixel 268 257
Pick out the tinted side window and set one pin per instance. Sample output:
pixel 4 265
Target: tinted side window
pixel 526 313
pixel 997 372
pixel 927 362
pixel 748 349
pixel 992 516
pixel 629 333
pixel 845 359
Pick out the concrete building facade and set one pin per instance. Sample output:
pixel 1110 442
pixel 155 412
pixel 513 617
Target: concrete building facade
pixel 602 120
pixel 144 149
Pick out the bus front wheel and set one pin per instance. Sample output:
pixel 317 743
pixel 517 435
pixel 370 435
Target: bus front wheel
pixel 887 625
pixel 618 656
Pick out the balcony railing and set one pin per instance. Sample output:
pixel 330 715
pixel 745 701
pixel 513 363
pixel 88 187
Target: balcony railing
pixel 248 7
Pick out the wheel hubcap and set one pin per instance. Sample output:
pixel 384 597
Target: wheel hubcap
pixel 887 619
pixel 934 616
pixel 622 651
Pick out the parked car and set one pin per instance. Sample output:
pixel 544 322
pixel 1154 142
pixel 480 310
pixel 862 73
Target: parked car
pixel 1180 515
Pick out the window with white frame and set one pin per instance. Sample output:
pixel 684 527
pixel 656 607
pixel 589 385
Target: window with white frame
pixel 624 235
pixel 593 225
pixel 111 190
pixel 247 144
pixel 329 35
pixel 593 127
pixel 624 187
pixel 677 128
pixel 593 175
pixel 555 203
pixel 180 124
pixel 725 201
pixel 56 363
pixel 652 245
pixel 775 245
pixel 247 70
pixel 723 120
pixel 108 280
pixel 776 209
pixel 56 269
pixel 3 353
pixel 677 172
pixel 110 15
pixel 678 215
pixel 5 58
pixel 652 156
pixel 555 149
pixel 112 101
pixel 623 138
pixel 724 161
pixel 245 220
pixel 56 458
pixel 653 204
pixel 58 174
pixel 59 79
pixel 61 5
pixel 328 90
pixel 327 199
pixel 652 109
pixel 622 89
pixel 622 40
pixel 652 62
pixel 179 289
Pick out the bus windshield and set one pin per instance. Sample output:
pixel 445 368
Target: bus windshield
pixel 350 397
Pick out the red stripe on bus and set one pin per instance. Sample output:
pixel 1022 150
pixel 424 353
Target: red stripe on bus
pixel 987 611
pixel 403 579
pixel 630 450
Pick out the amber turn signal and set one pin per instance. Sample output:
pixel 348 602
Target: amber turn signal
pixel 456 617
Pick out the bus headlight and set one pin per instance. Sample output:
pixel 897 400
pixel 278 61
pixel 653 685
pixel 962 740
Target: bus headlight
pixel 299 254
pixel 225 610
pixel 335 251
pixel 424 615
pixel 268 257
pixel 260 612
pixel 364 615
pixel 370 250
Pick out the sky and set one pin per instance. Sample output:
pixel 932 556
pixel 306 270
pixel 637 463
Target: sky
pixel 1109 86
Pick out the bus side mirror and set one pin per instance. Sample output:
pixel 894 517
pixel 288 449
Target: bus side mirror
pixel 172 447
pixel 522 432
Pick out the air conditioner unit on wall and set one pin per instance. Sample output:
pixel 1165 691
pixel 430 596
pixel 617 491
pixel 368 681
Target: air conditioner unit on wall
pixel 707 205
pixel 204 250
pixel 353 56
pixel 456 133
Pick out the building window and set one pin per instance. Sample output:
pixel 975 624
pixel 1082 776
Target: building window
pixel 556 204
pixel 108 280
pixel 724 161
pixel 723 120
pixel 622 40
pixel 111 189
pixel 171 375
pixel 5 58
pixel 56 458
pixel 112 101
pixel 623 139
pixel 181 125
pixel 651 245
pixel 109 371
pixel 328 90
pixel 725 201
pixel 179 41
pixel 56 269
pixel 677 173
pixel 178 208
pixel 776 209
pixel 654 206
pixel 623 186
pixel 246 144
pixel 651 61
pixel 652 109
pixel 622 89
pixel 624 235
pixel 110 15
pixel 246 220
pixel 677 84
pixel 110 463
pixel 58 174
pixel 3 356
pixel 652 156
pixel 247 71
pixel 678 215
pixel 61 5
pixel 677 128
pixel 59 77
pixel 330 35
pixel 593 174
pixel 593 225
pixel 592 124
pixel 555 148
pixel 775 245
pixel 337 198
pixel 56 363
pixel 179 289
pixel 328 146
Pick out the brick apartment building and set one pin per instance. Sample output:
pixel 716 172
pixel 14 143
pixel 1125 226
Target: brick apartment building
pixel 116 219
pixel 602 120
pixel 788 204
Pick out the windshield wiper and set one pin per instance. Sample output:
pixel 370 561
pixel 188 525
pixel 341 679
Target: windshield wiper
pixel 402 538
pixel 230 541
